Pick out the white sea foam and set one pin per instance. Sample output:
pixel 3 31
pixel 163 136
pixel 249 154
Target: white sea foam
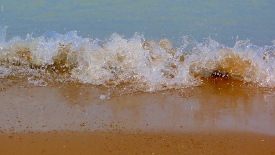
pixel 145 65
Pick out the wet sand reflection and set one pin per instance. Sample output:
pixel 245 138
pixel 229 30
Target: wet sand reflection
pixel 215 105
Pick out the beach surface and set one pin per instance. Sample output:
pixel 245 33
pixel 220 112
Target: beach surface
pixel 221 116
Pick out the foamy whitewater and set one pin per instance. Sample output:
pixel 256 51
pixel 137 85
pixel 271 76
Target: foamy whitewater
pixel 144 65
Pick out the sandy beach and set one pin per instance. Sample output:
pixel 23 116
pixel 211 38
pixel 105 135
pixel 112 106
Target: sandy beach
pixel 221 116
pixel 137 77
pixel 225 142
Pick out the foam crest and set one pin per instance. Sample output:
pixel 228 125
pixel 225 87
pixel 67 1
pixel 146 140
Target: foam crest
pixel 244 61
pixel 147 65
pixel 140 64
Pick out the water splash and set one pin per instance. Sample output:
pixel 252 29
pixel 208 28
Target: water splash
pixel 142 65
pixel 2 33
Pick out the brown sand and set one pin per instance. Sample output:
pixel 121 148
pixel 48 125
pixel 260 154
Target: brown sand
pixel 137 143
pixel 220 117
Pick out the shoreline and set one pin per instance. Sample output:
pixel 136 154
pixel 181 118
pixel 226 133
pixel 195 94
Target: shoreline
pixel 221 116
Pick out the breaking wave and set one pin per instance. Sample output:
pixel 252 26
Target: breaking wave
pixel 144 65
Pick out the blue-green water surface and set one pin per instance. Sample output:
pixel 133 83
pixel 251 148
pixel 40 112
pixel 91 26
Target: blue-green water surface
pixel 222 20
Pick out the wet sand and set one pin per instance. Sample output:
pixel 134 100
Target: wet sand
pixel 219 117
pixel 137 143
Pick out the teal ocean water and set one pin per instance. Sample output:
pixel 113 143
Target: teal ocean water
pixel 222 20
pixel 151 45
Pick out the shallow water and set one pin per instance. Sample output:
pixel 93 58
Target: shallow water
pixel 217 105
